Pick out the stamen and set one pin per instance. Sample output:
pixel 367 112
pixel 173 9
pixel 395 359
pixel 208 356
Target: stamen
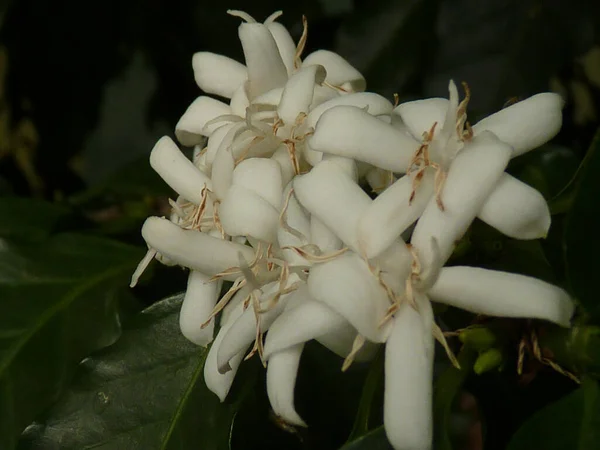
pixel 242 15
pixel 357 345
pixel 237 285
pixel 301 43
pixel 273 17
pixel 396 99
pixel 302 251
pixel 283 220
pixel 438 334
pixel 141 267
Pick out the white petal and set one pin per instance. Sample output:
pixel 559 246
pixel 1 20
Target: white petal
pixel 331 195
pixel 199 300
pixel 407 407
pixel 272 97
pixel 281 380
pixel 297 218
pixel 178 171
pixel 503 294
pixel 516 210
pixel 218 74
pixel 243 331
pixel 239 100
pixel 266 70
pixel 351 132
pixel 244 213
pixel 391 213
pixel 308 320
pixel 471 178
pixel 339 71
pixel 347 286
pixel 323 94
pixel 222 168
pixel 347 165
pixel 395 265
pixel 297 95
pixel 282 156
pixel 215 141
pixel 192 126
pixel 374 104
pixel 420 115
pixel 193 249
pixel 220 383
pixel 341 340
pixel 527 124
pixel 322 236
pixel 261 176
pixel 285 44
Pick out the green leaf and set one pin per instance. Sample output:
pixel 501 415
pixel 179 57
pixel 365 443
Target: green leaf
pixel 571 423
pixel 372 383
pixel 375 440
pixel 29 219
pixel 58 302
pixel 146 391
pixel 446 387
pixel 583 222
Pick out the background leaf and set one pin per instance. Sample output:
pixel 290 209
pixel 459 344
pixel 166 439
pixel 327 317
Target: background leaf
pixel 146 391
pixel 571 423
pixel 374 440
pixel 580 243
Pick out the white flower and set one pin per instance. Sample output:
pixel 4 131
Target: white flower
pixel 500 200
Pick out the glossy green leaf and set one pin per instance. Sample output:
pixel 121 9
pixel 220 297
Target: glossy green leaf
pixel 58 302
pixel 146 391
pixel 29 219
pixel 445 390
pixel 583 222
pixel 374 440
pixel 571 423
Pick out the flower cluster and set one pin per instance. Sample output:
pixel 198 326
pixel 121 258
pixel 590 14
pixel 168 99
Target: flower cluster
pixel 272 202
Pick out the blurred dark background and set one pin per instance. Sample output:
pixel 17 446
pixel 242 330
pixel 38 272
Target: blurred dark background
pixel 87 87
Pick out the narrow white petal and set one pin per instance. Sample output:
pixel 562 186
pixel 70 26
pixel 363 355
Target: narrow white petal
pixel 285 44
pixel 190 248
pixel 527 124
pixel 178 171
pixel 222 170
pixel 347 286
pixel 347 165
pixel 351 132
pixel 215 141
pixel 407 407
pixel 239 100
pixel 220 383
pixel 471 177
pixel 218 74
pixel 297 95
pixel 374 104
pixel 420 115
pixel 339 71
pixel 322 236
pixel 516 210
pixel 297 221
pixel 503 294
pixel 307 320
pixel 191 128
pixel 391 213
pixel 271 97
pixel 243 331
pixel 331 195
pixel 395 265
pixel 261 176
pixel 282 157
pixel 244 213
pixel 341 340
pixel 199 300
pixel 323 94
pixel 266 69
pixel 281 381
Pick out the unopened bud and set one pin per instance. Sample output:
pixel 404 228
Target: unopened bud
pixel 488 360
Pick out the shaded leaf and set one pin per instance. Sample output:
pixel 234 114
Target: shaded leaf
pixel 375 440
pixel 445 391
pixel 571 423
pixel 146 391
pixel 58 302
pixel 583 222
pixel 29 219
